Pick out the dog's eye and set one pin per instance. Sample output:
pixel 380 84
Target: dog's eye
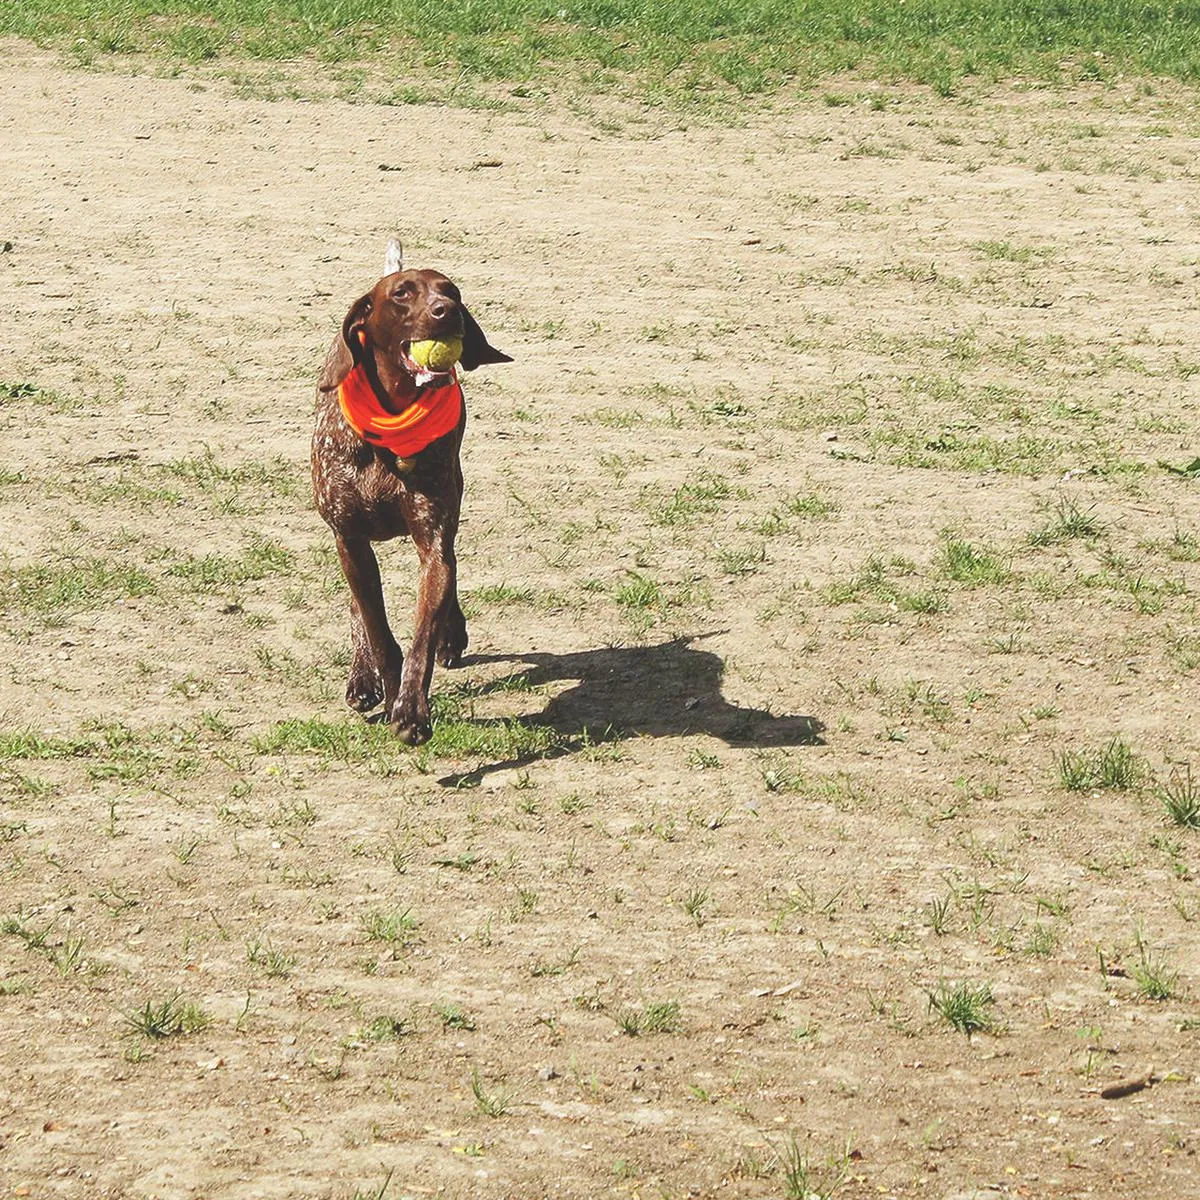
pixel 403 292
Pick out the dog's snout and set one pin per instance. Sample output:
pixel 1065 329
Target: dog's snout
pixel 442 307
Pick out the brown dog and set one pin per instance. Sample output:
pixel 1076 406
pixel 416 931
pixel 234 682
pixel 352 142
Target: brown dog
pixel 385 463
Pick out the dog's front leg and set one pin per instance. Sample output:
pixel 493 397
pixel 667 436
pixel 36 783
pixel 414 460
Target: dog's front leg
pixel 378 663
pixel 436 597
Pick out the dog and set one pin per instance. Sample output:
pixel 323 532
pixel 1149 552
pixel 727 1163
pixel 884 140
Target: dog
pixel 385 463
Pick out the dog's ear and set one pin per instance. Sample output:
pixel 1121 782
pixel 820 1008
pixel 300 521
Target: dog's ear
pixel 476 350
pixel 346 351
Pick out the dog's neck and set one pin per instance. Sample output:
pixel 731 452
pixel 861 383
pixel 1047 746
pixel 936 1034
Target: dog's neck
pixel 394 387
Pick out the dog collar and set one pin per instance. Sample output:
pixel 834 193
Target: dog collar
pixel 436 410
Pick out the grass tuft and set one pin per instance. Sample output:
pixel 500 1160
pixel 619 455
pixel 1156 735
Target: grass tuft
pixel 454 1016
pixel 972 566
pixel 1114 767
pixel 498 1102
pixel 172 1017
pixel 1180 797
pixel 1067 522
pixel 395 926
pixel 56 589
pixel 804 1178
pixel 1155 979
pixel 963 1006
pixel 653 1017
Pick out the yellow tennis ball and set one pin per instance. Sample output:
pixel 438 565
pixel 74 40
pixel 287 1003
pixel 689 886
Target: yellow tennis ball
pixel 437 355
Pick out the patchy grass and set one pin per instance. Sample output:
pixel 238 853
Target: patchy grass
pixel 659 1016
pixel 209 573
pixel 1114 766
pixel 456 734
pixel 1067 521
pixel 56 590
pixel 973 566
pixel 963 1006
pixel 1180 798
pixel 172 1017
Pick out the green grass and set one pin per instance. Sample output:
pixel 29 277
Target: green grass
pixel 963 1006
pixel 661 1016
pixel 803 1178
pixel 386 1028
pixel 453 1016
pixel 114 751
pixel 1067 521
pixel 689 500
pixel 1042 941
pixel 56 589
pixel 241 488
pixel 1180 798
pixel 167 1018
pixel 695 903
pixel 395 926
pixel 1155 979
pixel 497 1102
pixel 740 561
pixel 126 490
pixel 209 573
pixel 869 581
pixel 970 565
pixel 638 592
pixel 1114 767
pixel 14 392
pixel 25 743
pixel 1007 252
pixel 499 595
pixel 968 450
pixel 811 505
pixel 347 739
pixel 275 963
pixel 456 734
pixel 745 48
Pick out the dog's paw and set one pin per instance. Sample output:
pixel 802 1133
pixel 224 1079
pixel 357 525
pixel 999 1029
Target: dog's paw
pixel 364 691
pixel 450 656
pixel 453 644
pixel 409 720
pixel 412 732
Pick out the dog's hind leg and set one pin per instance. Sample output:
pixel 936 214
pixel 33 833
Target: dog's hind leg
pixel 452 628
pixel 452 636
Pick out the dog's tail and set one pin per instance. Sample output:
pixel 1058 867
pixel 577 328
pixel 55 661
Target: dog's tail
pixel 393 257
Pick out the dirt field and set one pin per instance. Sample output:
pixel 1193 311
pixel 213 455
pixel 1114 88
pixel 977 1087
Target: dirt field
pixel 821 514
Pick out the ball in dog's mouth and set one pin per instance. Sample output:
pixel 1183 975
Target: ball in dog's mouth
pixel 435 356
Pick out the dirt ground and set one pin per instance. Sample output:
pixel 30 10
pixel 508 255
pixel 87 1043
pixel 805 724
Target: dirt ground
pixel 822 512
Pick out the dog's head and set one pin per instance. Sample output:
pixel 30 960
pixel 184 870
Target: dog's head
pixel 402 308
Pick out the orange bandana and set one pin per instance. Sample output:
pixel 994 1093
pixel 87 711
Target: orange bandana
pixel 433 414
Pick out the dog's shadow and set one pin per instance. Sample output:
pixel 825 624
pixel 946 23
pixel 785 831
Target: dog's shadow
pixel 669 690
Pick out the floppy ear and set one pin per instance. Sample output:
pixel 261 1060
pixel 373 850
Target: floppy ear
pixel 346 351
pixel 476 350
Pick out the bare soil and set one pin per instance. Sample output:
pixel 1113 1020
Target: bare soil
pixel 805 765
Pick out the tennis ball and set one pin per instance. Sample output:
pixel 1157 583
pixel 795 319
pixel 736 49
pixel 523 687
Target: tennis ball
pixel 436 355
